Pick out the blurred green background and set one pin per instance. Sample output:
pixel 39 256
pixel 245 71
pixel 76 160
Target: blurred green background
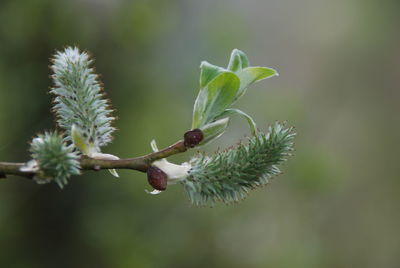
pixel 337 203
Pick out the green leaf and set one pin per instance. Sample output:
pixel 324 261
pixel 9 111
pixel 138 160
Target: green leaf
pixel 251 75
pixel 214 130
pixel 215 98
pixel 238 61
pixel 199 107
pixel 208 73
pixel 252 124
pixel 217 86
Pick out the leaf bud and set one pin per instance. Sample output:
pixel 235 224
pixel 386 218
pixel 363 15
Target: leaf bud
pixel 193 138
pixel 157 178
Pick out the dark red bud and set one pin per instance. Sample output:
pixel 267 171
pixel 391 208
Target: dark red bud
pixel 157 178
pixel 193 138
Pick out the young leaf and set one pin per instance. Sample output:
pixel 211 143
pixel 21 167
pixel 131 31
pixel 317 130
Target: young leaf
pixel 214 130
pixel 199 107
pixel 218 86
pixel 251 75
pixel 215 98
pixel 252 124
pixel 221 93
pixel 238 61
pixel 208 72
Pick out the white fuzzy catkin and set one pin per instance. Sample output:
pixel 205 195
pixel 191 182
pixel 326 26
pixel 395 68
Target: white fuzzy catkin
pixel 79 98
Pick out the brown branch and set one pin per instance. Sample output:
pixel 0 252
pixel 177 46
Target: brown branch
pixel 141 163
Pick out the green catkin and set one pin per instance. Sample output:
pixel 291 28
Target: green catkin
pixel 228 176
pixel 56 161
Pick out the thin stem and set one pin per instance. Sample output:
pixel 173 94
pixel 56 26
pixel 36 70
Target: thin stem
pixel 141 163
pixel 13 169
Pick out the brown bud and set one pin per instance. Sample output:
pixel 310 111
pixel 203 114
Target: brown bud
pixel 193 138
pixel 157 178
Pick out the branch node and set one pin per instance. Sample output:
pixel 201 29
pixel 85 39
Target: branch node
pixel 96 167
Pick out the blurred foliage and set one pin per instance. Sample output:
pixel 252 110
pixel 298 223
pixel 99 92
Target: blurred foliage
pixel 337 204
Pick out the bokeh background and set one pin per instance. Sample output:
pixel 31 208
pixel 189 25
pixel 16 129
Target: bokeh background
pixel 337 203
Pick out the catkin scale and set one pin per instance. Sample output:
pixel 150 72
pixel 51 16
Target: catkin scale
pixel 157 178
pixel 192 138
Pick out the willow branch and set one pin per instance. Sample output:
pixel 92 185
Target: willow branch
pixel 141 163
